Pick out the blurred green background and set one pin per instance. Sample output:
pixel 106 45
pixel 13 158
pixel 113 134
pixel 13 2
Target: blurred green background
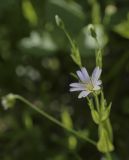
pixel 35 63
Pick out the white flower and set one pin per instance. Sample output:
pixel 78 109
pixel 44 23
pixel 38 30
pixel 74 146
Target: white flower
pixel 87 84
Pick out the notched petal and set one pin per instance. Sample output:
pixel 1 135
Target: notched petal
pixel 80 76
pixel 83 94
pixel 85 74
pixel 76 89
pixel 96 74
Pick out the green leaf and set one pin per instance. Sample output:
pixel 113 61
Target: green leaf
pixel 66 119
pixel 71 7
pixel 76 55
pixel 72 142
pixel 122 29
pixel 29 12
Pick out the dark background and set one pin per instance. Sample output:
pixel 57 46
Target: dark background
pixel 35 63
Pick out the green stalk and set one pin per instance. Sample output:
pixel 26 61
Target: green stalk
pixel 52 119
pixel 108 156
pixel 97 102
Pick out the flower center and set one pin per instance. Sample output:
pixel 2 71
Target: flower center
pixel 89 86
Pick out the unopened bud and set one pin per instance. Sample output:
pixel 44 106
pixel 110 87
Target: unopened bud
pixel 59 21
pixel 8 101
pixel 92 30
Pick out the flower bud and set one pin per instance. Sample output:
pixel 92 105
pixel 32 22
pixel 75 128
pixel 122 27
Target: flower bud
pixel 92 30
pixel 8 101
pixel 59 21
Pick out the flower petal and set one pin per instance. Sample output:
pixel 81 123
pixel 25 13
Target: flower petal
pixel 96 74
pixel 76 85
pixel 85 74
pixel 76 89
pixel 99 82
pixel 83 94
pixel 80 75
pixel 96 88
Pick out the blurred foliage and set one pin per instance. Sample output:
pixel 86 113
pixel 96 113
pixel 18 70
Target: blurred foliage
pixel 35 62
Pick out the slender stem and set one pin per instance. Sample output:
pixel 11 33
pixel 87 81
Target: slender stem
pixel 97 102
pixel 98 47
pixel 52 119
pixel 108 156
pixel 68 36
pixel 90 103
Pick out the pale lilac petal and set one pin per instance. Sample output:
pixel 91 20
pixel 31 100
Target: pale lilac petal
pixel 96 88
pixel 83 94
pixel 80 75
pixel 76 85
pixel 85 74
pixel 96 74
pixel 77 89
pixel 99 82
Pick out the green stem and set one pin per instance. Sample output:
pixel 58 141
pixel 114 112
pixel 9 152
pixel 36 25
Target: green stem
pixel 90 103
pixel 69 38
pixel 52 119
pixel 108 156
pixel 98 47
pixel 97 102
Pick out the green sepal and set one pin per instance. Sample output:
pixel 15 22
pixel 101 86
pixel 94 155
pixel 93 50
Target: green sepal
pixel 104 144
pixel 95 116
pixel 75 55
pixel 105 114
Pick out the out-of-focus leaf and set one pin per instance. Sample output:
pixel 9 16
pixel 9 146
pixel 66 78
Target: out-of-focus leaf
pixel 122 29
pixel 96 18
pixel 66 119
pixel 41 42
pixel 29 12
pixel 72 140
pixel 66 9
pixel 70 6
pixel 27 120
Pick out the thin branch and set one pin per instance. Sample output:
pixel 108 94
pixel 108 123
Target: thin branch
pixel 52 119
